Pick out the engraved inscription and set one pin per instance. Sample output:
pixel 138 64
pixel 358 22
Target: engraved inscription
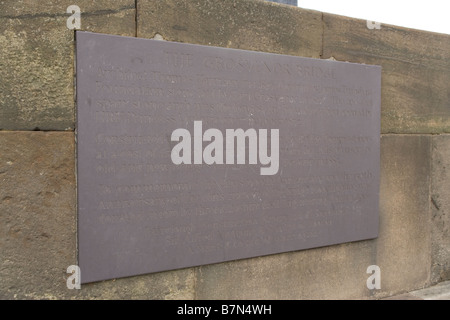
pixel 150 201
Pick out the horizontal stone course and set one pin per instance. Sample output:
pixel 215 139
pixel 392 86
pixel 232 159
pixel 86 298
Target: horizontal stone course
pixel 244 24
pixel 415 70
pixel 37 58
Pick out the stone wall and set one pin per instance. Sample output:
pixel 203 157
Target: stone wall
pixel 37 150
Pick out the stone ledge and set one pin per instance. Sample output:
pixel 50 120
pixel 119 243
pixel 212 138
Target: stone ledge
pixel 441 291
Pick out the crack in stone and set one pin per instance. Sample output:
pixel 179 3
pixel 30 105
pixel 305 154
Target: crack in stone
pixel 435 203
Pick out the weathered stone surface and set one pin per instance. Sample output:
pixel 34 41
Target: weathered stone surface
pixel 334 272
pixel 441 291
pixel 404 296
pixel 38 227
pixel 37 81
pixel 120 20
pixel 36 58
pixel 37 213
pixel 440 199
pixel 244 24
pixel 169 285
pixel 33 8
pixel 415 76
pixel 403 246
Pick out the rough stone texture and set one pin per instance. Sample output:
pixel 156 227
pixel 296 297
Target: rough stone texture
pixel 415 71
pixel 243 24
pixel 38 227
pixel 13 8
pixel 334 272
pixel 36 58
pixel 37 75
pixel 440 199
pixel 37 213
pixel 440 291
pixel 404 243
pixel 169 285
pixel 404 296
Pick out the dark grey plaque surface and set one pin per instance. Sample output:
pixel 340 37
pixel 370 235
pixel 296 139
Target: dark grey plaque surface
pixel 138 212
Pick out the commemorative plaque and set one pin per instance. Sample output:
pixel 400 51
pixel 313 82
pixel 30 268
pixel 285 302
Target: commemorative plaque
pixel 190 155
